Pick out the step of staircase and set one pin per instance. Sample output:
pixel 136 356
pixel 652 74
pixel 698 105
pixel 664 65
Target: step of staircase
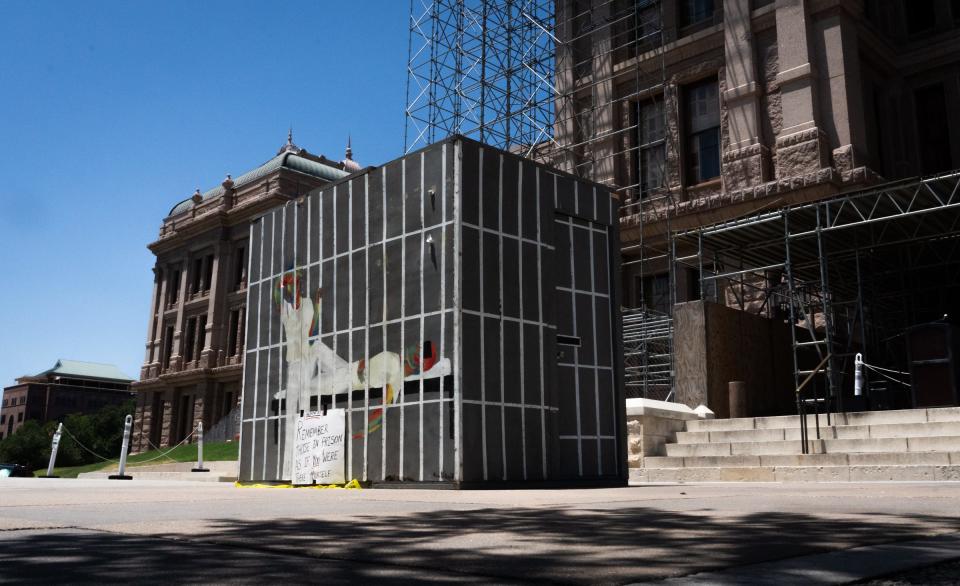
pixel 822 446
pixel 905 445
pixel 884 430
pixel 797 474
pixel 932 415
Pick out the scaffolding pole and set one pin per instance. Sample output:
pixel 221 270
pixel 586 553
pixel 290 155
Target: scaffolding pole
pixel 578 85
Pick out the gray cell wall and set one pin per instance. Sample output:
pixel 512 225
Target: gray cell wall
pixel 381 248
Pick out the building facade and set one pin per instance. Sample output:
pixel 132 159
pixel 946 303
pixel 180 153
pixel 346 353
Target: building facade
pixel 70 386
pixel 705 110
pixel 717 121
pixel 196 330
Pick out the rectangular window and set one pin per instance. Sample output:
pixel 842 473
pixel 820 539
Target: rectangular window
pixel 19 417
pixel 3 419
pixel 195 276
pixel 648 24
pixel 695 11
pixel 702 121
pixel 174 287
pixel 190 339
pixel 635 28
pixel 240 268
pixel 651 151
pixel 167 346
pixel 933 133
pixel 232 333
pixel 208 273
pixel 201 334
pixel 656 292
pixel 581 27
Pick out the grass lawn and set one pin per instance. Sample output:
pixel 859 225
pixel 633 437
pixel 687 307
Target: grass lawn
pixel 217 451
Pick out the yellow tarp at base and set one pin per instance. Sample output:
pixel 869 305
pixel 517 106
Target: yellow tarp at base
pixel 352 484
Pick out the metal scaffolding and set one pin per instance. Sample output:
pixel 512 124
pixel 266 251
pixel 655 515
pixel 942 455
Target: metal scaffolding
pixel 481 68
pixel 577 84
pixel 850 273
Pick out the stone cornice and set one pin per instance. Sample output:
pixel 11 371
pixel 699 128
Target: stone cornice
pixel 725 205
pixel 187 377
pixel 251 200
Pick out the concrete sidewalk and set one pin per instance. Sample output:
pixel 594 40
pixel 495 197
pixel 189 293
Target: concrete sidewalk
pixel 91 530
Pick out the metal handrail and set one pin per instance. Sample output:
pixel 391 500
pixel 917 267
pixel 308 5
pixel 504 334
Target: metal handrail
pixel 801 408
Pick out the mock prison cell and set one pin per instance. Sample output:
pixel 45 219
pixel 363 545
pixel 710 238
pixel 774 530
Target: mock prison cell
pixel 457 308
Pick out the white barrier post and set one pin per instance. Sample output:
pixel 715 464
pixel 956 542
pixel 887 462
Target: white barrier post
pixel 127 424
pixel 858 375
pixel 53 451
pixel 200 467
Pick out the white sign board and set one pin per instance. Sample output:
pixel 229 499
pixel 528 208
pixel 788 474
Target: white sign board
pixel 319 450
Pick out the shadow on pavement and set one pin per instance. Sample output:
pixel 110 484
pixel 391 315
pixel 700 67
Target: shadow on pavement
pixel 554 544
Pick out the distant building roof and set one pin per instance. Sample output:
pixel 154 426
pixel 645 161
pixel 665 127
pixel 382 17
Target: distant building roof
pixel 289 157
pixel 78 369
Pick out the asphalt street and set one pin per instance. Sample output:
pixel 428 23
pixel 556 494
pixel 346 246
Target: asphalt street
pixel 75 531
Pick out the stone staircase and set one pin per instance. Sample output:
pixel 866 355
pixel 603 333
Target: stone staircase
pixel 907 445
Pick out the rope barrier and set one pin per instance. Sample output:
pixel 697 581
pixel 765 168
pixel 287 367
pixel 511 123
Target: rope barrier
pixel 157 448
pixel 189 435
pixel 79 443
pixel 886 376
pixel 885 369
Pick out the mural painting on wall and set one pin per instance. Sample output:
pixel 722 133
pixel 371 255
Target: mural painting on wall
pixel 313 368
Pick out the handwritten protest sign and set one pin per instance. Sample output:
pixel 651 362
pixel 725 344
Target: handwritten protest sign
pixel 319 449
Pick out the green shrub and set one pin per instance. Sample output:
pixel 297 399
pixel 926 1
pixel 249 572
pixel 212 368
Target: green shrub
pixel 28 446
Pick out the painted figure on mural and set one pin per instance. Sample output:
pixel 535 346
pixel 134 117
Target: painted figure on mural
pixel 313 368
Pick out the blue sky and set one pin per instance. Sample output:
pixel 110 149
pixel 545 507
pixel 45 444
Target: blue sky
pixel 111 112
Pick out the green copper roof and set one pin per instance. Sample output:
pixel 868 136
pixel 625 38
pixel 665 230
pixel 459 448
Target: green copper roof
pixel 289 160
pixel 78 369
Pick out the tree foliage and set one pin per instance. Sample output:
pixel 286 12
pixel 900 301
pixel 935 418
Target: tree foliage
pixel 100 432
pixel 28 446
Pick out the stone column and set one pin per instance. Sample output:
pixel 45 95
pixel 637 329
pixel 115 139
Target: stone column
pixel 743 154
pixel 176 351
pixel 628 173
pixel 841 90
pixel 213 339
pixel 166 408
pixel 198 340
pixel 801 146
pixel 152 322
pixel 143 422
pixel 199 400
pixel 241 332
pixel 604 112
pixel 151 364
pixel 951 92
pixel 565 105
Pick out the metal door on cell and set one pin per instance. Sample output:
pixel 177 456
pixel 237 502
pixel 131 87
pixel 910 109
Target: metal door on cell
pixel 586 389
